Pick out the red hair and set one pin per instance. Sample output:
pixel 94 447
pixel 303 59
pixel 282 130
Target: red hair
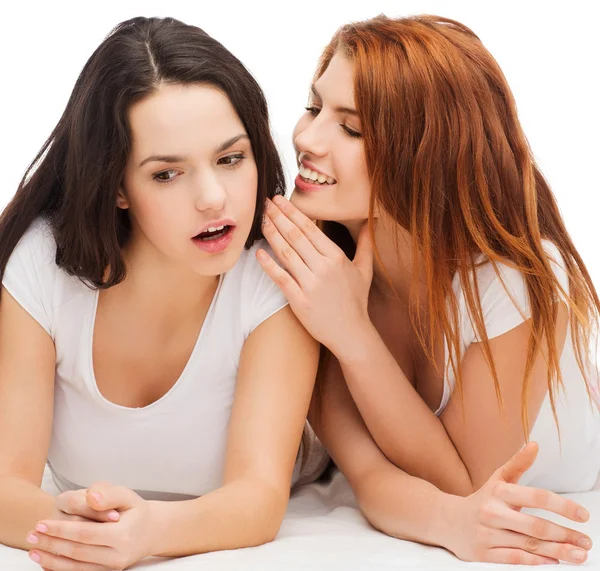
pixel 448 160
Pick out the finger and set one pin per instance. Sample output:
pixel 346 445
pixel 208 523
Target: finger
pixel 526 497
pixel 552 549
pixel 71 550
pixel 363 259
pixel 317 238
pixel 286 283
pixel 519 463
pixel 108 497
pixel 516 557
pixel 88 532
pixel 540 528
pixel 52 562
pixel 293 235
pixel 286 253
pixel 76 504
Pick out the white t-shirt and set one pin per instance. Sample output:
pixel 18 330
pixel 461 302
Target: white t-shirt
pixel 573 464
pixel 173 448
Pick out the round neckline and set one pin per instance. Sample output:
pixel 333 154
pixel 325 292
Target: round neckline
pixel 196 349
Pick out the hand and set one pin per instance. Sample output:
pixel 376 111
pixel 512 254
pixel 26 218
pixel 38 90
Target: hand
pixel 94 546
pixel 327 292
pixel 490 526
pixel 73 506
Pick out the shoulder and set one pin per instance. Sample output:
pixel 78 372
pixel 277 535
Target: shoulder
pixel 503 293
pixel 258 295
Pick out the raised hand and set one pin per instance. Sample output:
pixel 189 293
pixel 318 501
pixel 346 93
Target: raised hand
pixel 327 292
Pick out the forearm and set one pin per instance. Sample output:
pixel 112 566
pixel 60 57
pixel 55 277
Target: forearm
pixel 22 505
pixel 401 423
pixel 408 508
pixel 243 513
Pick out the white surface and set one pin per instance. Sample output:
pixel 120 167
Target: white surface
pixel 323 531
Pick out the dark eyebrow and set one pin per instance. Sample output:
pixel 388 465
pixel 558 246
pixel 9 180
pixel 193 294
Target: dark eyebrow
pixel 231 142
pixel 347 110
pixel 163 159
pixel 180 158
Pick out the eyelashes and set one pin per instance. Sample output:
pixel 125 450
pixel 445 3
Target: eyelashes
pixel 169 175
pixel 314 111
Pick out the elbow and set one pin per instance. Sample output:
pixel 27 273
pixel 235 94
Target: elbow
pixel 267 517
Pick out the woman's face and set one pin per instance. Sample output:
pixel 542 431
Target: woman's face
pixel 190 182
pixel 329 146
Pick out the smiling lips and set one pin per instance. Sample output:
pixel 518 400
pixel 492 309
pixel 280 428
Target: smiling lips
pixel 313 177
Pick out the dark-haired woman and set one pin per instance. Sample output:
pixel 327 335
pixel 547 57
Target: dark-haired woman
pixel 141 343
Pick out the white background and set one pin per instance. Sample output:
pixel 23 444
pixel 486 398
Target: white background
pixel 549 52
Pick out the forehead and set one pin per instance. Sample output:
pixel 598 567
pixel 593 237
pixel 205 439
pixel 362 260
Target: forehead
pixel 338 78
pixel 177 117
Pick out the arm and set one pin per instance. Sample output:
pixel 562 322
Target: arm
pixel 275 381
pixel 27 363
pixel 486 526
pixel 459 458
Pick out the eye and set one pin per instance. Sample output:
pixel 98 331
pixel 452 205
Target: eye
pixel 165 176
pixel 351 132
pixel 313 110
pixel 231 160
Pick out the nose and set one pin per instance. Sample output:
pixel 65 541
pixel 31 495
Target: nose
pixel 310 137
pixel 209 193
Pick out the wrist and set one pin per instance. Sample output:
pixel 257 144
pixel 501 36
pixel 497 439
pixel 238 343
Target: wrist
pixel 357 344
pixel 157 529
pixel 446 526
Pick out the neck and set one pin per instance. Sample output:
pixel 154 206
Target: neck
pixel 159 286
pixel 392 273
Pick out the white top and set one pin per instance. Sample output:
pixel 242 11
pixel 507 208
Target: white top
pixel 576 466
pixel 173 448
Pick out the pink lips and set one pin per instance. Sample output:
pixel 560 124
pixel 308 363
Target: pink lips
pixel 304 186
pixel 216 245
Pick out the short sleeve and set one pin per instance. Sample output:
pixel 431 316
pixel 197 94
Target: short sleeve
pixel 31 271
pixel 504 296
pixel 262 298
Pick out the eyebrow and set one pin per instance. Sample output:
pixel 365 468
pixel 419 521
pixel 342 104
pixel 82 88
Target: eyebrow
pixel 180 158
pixel 347 110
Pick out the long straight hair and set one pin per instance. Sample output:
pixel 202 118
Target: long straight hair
pixel 74 179
pixel 448 160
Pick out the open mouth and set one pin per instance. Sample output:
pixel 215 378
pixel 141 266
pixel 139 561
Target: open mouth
pixel 213 234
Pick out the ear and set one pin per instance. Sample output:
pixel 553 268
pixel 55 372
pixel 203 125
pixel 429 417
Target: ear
pixel 122 201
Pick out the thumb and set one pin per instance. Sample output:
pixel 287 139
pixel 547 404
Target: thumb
pixel 521 462
pixel 106 497
pixel 363 259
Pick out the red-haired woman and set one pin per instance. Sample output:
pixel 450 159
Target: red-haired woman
pixel 469 335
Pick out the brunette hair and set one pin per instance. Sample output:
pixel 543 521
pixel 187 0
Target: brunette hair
pixel 74 179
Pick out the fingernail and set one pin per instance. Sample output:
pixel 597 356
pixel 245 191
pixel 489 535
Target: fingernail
pixel 97 497
pixel 113 516
pixel 41 528
pixel 578 554
pixel 32 538
pixel 585 543
pixel 278 199
pixel 35 557
pixel 583 514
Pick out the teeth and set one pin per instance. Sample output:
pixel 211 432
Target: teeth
pixel 314 176
pixel 212 229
